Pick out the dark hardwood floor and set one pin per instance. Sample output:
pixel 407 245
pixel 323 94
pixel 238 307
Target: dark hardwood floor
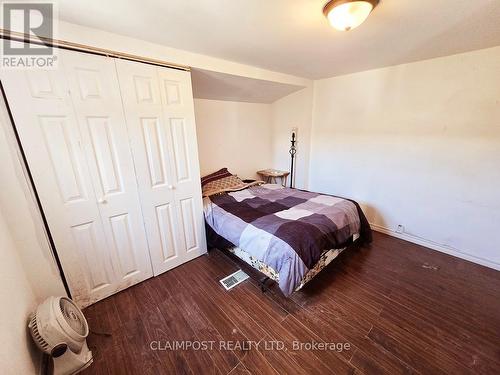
pixel 400 307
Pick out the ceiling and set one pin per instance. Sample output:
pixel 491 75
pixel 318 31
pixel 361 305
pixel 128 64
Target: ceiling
pixel 293 36
pixel 221 86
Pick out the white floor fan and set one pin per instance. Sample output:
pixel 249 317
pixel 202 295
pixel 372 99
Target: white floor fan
pixel 59 329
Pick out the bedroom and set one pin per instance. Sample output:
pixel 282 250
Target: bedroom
pixel 107 127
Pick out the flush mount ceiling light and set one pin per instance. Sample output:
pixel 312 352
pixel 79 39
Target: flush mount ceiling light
pixel 345 15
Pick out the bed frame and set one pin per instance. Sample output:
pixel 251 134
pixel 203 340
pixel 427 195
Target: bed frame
pixel 326 258
pixel 268 272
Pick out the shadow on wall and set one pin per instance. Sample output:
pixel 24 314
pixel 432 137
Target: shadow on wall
pixel 373 215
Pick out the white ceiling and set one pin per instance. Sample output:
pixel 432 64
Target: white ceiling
pixel 221 86
pixel 292 36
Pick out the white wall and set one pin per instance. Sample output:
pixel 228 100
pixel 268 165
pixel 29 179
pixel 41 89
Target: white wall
pixel 18 354
pixel 292 111
pixel 419 145
pixel 233 134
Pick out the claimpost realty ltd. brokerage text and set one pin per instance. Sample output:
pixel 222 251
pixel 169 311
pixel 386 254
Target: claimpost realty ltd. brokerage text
pixel 296 345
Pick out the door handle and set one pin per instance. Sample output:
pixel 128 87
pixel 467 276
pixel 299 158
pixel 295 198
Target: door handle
pixel 171 187
pixel 102 201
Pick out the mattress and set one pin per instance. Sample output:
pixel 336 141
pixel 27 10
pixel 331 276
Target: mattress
pixel 286 230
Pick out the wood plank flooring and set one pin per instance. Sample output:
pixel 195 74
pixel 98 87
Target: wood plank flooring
pixel 400 308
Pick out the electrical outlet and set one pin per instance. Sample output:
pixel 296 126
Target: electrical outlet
pixel 400 229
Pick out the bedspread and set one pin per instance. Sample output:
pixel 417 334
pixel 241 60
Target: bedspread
pixel 287 229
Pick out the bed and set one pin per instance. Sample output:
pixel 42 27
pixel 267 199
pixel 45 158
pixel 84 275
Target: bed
pixel 289 235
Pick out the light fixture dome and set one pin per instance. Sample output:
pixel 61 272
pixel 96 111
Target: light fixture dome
pixel 345 15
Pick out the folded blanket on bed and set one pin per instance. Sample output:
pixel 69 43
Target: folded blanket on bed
pixel 288 229
pixel 232 187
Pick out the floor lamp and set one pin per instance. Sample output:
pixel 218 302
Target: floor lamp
pixel 292 151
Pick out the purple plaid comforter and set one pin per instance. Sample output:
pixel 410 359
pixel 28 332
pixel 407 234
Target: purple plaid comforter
pixel 287 229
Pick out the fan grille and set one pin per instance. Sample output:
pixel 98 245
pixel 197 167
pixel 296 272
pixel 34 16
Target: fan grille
pixel 36 335
pixel 73 316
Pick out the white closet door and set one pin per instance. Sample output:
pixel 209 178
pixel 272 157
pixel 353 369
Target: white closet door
pixel 95 93
pixel 159 110
pixel 49 133
pixel 178 109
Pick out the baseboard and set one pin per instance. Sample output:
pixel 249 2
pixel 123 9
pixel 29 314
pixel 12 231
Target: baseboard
pixel 437 246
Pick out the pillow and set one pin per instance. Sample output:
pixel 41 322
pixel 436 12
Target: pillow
pixel 221 173
pixel 220 181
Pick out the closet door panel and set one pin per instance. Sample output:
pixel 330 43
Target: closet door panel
pixel 151 145
pixel 155 150
pixel 166 224
pixel 97 102
pixel 181 159
pixel 104 151
pixel 64 161
pixel 190 228
pixel 87 241
pixel 51 140
pixel 156 143
pixel 178 109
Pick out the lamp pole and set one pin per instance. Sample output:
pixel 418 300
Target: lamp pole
pixel 292 151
